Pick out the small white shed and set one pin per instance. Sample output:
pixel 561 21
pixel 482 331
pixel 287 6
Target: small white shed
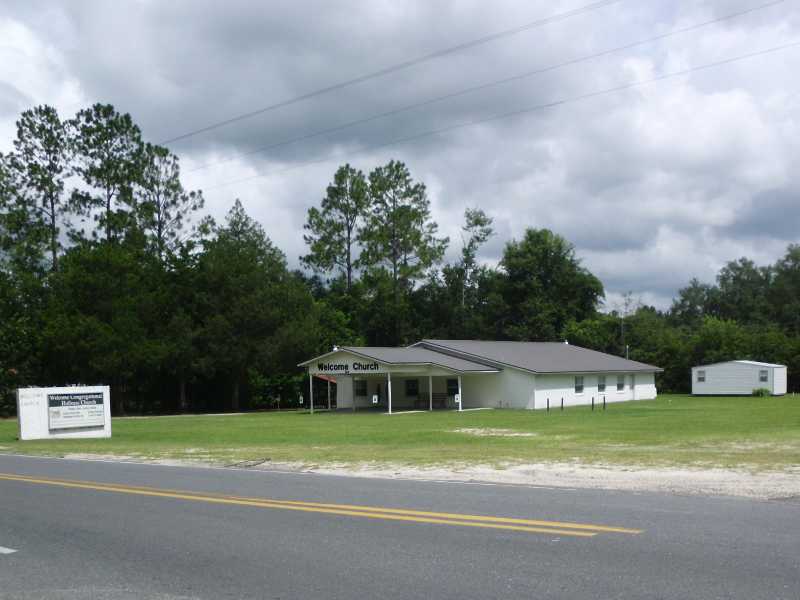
pixel 738 377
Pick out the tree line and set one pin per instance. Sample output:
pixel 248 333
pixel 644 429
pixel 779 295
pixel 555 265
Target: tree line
pixel 110 273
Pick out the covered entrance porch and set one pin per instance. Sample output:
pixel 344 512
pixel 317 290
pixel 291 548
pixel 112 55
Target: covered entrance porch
pixel 395 379
pixel 400 392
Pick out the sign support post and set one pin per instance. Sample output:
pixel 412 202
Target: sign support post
pixel 329 394
pixel 389 390
pixel 311 392
pixel 460 397
pixel 430 392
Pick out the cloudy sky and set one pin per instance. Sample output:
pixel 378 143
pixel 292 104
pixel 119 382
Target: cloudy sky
pixel 653 184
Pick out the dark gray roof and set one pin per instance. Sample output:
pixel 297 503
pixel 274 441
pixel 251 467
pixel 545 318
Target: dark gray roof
pixel 412 355
pixel 538 357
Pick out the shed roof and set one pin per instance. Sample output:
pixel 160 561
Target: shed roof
pixel 412 355
pixel 539 357
pixel 742 362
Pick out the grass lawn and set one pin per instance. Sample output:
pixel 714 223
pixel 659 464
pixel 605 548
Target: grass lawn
pixel 755 433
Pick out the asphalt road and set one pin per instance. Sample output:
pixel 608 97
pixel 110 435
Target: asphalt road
pixel 85 529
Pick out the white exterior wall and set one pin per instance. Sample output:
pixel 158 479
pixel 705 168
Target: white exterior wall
pixel 344 391
pixel 512 388
pixel 735 378
pixel 637 386
pixel 779 381
pixel 645 386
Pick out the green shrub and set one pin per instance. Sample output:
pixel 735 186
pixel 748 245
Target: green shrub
pixel 762 392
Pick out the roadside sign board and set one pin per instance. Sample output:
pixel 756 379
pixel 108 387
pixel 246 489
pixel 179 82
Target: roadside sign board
pixel 70 411
pixel 64 412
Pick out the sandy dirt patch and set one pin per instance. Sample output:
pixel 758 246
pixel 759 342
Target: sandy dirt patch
pixel 711 482
pixel 772 485
pixel 493 432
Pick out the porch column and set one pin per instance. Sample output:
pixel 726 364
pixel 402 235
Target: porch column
pixel 389 390
pixel 430 392
pixel 329 394
pixel 311 392
pixel 461 397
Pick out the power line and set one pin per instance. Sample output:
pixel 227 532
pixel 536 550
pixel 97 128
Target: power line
pixel 487 85
pixel 398 67
pixel 519 112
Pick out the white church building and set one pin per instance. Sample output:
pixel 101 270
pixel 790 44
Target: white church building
pixel 463 374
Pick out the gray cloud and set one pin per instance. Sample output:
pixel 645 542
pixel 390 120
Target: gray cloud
pixel 12 101
pixel 654 185
pixel 772 214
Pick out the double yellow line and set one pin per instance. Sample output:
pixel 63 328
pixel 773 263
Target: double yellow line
pixel 350 510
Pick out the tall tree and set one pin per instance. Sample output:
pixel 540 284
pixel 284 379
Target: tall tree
pixel 718 340
pixel 20 340
pixel 109 154
pixel 182 324
pixel 743 291
pixel 43 157
pixel 248 302
pixel 23 243
pixel 457 295
pixel 163 206
pixel 477 230
pixel 399 235
pixel 23 233
pixel 333 228
pixel 695 302
pixel 784 294
pixel 545 286
pixel 104 318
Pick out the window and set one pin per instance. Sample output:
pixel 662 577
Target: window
pixel 701 377
pixel 601 383
pixel 361 388
pixel 452 387
pixel 620 383
pixel 763 376
pixel 579 384
pixel 412 388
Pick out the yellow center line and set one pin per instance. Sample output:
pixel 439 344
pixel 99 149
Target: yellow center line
pixel 392 514
pixel 468 517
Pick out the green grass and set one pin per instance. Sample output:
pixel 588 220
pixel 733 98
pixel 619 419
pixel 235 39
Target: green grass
pixel 754 433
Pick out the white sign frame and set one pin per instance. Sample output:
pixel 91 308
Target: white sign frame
pixel 77 412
